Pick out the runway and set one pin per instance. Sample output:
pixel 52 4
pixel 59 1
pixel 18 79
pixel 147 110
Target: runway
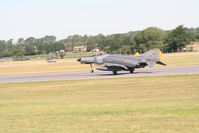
pixel 178 70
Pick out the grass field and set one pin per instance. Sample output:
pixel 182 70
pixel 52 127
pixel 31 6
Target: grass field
pixel 70 64
pixel 180 59
pixel 166 104
pixel 40 66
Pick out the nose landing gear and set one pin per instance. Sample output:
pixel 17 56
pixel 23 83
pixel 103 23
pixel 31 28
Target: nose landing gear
pixel 91 65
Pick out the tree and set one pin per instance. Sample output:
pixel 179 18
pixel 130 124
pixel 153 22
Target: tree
pixel 18 55
pixel 4 54
pixel 124 49
pixel 49 39
pixel 91 43
pixel 197 34
pixel 116 42
pixel 3 45
pixel 107 48
pixel 58 46
pixel 149 38
pixel 179 38
pixel 28 41
pixel 30 50
pixel 135 40
pixel 62 54
pixel 100 41
pixel 20 41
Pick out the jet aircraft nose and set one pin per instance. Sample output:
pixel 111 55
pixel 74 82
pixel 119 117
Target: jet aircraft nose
pixel 79 60
pixel 86 60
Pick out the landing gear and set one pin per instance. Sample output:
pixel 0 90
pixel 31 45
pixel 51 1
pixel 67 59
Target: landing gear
pixel 131 70
pixel 91 65
pixel 114 72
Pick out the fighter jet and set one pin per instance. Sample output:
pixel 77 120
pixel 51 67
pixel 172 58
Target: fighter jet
pixel 115 63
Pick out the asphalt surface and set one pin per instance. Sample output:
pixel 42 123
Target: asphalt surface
pixel 178 70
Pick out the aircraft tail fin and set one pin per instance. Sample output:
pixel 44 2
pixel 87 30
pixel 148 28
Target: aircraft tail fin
pixel 153 54
pixel 152 57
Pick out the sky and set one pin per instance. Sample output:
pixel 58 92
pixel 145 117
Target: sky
pixel 38 18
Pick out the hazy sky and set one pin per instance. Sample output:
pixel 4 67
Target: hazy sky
pixel 37 18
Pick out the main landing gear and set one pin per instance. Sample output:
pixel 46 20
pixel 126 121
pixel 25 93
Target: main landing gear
pixel 114 72
pixel 131 70
pixel 91 65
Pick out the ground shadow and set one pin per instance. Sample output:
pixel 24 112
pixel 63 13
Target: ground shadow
pixel 119 73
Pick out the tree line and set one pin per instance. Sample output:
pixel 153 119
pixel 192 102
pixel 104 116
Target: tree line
pixel 146 39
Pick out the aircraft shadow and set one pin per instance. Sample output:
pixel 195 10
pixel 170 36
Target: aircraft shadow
pixel 122 73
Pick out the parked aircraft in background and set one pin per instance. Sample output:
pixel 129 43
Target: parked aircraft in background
pixel 115 63
pixel 50 60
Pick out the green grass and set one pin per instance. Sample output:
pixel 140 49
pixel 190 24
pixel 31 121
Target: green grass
pixel 41 66
pixel 181 60
pixel 166 104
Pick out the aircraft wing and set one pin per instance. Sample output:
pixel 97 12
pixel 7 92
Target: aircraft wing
pixel 111 67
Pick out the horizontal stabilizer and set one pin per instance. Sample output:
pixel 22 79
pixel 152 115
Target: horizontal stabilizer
pixel 160 63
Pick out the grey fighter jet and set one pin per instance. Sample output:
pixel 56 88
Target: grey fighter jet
pixel 115 63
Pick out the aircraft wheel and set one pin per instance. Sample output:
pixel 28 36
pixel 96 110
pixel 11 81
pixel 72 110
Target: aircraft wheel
pixel 115 72
pixel 131 70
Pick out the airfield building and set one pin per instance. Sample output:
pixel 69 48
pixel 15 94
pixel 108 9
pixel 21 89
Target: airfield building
pixel 192 47
pixel 80 48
